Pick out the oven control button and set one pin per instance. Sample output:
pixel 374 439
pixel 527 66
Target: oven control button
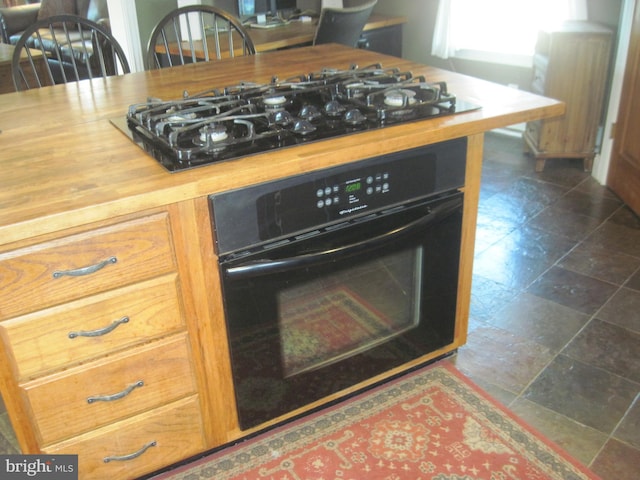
pixel 336 199
pixel 369 180
pixel 369 190
pixel 328 202
pixel 320 193
pixel 320 204
pixel 385 186
pixel 327 191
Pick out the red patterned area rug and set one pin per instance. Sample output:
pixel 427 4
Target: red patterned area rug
pixel 431 424
pixel 338 322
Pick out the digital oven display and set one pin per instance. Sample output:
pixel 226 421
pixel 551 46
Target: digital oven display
pixel 353 187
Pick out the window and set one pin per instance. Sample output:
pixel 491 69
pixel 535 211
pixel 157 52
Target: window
pixel 502 31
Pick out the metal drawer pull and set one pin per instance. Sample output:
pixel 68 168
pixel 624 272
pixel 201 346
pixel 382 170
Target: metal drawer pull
pixel 99 332
pixel 116 396
pixel 131 456
pixel 78 272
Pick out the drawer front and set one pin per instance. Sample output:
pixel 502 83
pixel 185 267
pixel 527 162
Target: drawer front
pixel 69 268
pixel 154 439
pixel 74 333
pixel 93 395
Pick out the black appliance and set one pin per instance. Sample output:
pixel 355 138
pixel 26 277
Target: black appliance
pixel 249 118
pixel 333 277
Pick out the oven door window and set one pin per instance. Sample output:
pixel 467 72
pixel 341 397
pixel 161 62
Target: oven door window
pixel 336 316
pixel 313 316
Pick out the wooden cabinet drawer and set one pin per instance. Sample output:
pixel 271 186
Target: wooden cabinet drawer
pixel 174 432
pixel 67 404
pixel 113 256
pixel 66 335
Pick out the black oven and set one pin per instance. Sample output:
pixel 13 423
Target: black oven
pixel 335 276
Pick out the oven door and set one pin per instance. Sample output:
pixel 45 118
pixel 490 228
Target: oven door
pixel 321 312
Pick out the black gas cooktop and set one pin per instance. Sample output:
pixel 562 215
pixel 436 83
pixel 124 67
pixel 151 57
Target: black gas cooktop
pixel 249 118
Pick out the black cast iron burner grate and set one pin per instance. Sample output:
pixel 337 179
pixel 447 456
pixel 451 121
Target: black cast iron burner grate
pixel 250 118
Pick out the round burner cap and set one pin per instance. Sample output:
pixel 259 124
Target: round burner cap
pixel 399 97
pixel 212 134
pixel 275 101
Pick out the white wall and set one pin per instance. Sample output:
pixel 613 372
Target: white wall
pixel 124 26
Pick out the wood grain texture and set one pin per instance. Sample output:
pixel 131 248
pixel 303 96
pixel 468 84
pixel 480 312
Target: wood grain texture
pixel 579 51
pixel 175 428
pixel 60 402
pixel 65 164
pixel 204 317
pixel 40 342
pixel 141 248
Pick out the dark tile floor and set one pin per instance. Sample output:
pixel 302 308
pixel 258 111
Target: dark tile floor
pixel 554 331
pixel 555 315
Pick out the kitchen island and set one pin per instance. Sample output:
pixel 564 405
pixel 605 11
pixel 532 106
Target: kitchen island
pixel 129 366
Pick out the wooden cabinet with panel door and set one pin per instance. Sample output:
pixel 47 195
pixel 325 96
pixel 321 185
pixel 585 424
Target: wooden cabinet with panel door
pixel 624 170
pixel 571 63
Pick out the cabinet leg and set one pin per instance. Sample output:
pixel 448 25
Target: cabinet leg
pixel 540 164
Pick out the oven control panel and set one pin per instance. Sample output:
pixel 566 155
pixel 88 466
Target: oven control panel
pixel 354 191
pixel 246 217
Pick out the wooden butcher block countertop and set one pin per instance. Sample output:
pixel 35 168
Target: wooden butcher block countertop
pixel 65 164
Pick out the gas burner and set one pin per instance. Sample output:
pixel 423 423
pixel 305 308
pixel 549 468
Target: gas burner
pixel 211 134
pixel 275 102
pixel 399 97
pixel 250 118
pixel 372 72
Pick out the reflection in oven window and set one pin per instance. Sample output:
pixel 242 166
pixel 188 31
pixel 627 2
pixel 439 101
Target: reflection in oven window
pixel 340 315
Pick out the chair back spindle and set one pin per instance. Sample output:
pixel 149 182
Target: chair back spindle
pixel 197 33
pixel 64 49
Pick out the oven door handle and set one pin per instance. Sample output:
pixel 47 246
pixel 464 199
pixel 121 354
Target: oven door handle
pixel 267 266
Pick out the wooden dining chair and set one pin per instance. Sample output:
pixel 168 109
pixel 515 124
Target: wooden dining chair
pixel 342 25
pixel 197 33
pixel 63 49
